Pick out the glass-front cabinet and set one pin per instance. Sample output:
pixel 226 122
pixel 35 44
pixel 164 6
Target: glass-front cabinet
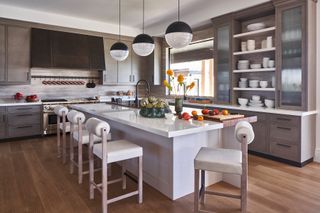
pixel 223 64
pixel 291 54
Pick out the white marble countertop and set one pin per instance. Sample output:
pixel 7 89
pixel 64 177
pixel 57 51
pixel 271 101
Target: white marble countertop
pixel 252 109
pixel 165 127
pixel 12 102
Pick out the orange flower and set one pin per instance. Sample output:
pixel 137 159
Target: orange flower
pixel 166 83
pixel 170 72
pixel 180 78
pixel 191 86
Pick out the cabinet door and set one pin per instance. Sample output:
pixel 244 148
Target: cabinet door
pixel 291 66
pixel 70 50
pixel 40 48
pixel 18 54
pixel 125 68
pixel 2 53
pixel 223 64
pixel 111 73
pixel 96 53
pixel 259 143
pixel 138 63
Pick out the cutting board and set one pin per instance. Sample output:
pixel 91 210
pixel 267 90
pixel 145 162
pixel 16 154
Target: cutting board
pixel 221 118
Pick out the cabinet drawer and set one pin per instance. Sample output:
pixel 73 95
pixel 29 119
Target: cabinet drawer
pixel 24 130
pixel 2 131
pixel 285 132
pixel 24 109
pixel 2 117
pixel 24 118
pixel 286 120
pixel 285 150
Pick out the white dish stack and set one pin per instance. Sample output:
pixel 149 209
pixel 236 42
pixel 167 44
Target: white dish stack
pixel 243 64
pixel 243 83
pixel 255 101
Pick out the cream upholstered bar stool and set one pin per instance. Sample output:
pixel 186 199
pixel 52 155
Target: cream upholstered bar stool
pixel 224 161
pixel 79 137
pixel 61 113
pixel 111 152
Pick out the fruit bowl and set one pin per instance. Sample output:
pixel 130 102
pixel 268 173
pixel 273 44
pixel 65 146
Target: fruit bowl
pixel 152 112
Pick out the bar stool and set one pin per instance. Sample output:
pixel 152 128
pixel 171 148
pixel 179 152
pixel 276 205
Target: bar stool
pixel 224 161
pixel 81 136
pixel 114 151
pixel 61 112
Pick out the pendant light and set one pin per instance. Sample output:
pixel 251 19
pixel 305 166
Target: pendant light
pixel 119 51
pixel 178 34
pixel 143 44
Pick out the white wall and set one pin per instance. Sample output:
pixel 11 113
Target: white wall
pixel 317 155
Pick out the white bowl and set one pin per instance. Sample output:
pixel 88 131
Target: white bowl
pixel 263 84
pixel 255 66
pixel 243 79
pixel 269 103
pixel 256 26
pixel 168 115
pixel 243 101
pixel 256 98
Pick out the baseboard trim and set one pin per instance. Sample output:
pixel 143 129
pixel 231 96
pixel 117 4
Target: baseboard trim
pixel 317 155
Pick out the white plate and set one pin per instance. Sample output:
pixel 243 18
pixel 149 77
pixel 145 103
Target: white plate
pixel 256 105
pixel 255 102
pixel 256 26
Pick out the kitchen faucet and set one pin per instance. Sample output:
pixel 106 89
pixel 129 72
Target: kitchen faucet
pixel 137 91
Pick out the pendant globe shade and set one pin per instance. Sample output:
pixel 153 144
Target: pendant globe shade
pixel 178 34
pixel 143 45
pixel 119 51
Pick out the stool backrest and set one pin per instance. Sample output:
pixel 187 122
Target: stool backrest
pixel 244 129
pixel 75 117
pixel 61 110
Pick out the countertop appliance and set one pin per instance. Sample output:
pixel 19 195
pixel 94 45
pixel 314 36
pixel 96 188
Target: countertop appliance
pixel 50 118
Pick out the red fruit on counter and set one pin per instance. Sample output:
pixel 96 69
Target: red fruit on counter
pixel 216 112
pixel 205 111
pixel 186 117
pixel 211 112
pixel 18 96
pixel 185 113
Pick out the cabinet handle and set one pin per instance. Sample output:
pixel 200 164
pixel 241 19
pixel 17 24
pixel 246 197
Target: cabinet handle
pixel 133 76
pixel 284 145
pixel 24 115
pixel 23 127
pixel 283 119
pixel 284 128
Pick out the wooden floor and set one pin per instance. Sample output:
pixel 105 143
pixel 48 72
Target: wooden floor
pixel 32 179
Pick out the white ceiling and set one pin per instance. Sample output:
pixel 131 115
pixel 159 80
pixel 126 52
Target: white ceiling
pixel 102 15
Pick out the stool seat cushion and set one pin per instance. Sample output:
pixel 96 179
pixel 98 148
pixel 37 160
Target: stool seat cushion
pixel 85 137
pixel 118 150
pixel 219 160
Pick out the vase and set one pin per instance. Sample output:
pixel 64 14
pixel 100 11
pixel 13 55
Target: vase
pixel 178 105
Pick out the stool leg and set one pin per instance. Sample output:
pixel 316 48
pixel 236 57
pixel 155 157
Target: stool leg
pixel 80 169
pixel 58 139
pixel 244 189
pixel 124 180
pixel 196 190
pixel 203 186
pixel 71 154
pixel 64 146
pixel 104 186
pixel 91 172
pixel 140 184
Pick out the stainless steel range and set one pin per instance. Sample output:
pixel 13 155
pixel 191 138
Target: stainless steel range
pixel 50 118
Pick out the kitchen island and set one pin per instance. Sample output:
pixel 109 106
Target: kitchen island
pixel 169 146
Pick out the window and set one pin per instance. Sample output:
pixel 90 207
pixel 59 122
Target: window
pixel 195 62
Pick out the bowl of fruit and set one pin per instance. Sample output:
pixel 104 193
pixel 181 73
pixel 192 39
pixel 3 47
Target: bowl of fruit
pixel 32 98
pixel 194 115
pixel 153 107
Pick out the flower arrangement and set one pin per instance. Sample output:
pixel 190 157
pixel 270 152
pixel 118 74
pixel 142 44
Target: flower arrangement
pixel 153 107
pixel 181 83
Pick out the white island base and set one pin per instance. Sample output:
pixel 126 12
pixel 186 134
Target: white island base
pixel 168 162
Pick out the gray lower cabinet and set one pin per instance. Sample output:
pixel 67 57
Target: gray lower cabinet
pixel 19 121
pixel 2 54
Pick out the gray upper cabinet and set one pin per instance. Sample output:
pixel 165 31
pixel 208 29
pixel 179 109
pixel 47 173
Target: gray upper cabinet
pixel 14 55
pixel 125 67
pixel 2 53
pixel 18 40
pixel 110 75
pixel 223 64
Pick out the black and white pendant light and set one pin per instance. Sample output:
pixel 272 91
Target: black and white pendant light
pixel 179 33
pixel 143 44
pixel 119 51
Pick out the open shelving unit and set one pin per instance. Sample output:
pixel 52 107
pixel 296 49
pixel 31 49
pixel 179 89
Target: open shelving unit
pixel 240 34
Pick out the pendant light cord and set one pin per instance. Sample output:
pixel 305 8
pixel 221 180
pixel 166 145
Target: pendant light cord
pixel 119 20
pixel 143 16
pixel 178 10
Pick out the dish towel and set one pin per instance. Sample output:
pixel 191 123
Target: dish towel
pixel 60 109
pixel 73 116
pixel 94 126
pixel 244 128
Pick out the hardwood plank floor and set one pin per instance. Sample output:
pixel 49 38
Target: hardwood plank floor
pixel 32 179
